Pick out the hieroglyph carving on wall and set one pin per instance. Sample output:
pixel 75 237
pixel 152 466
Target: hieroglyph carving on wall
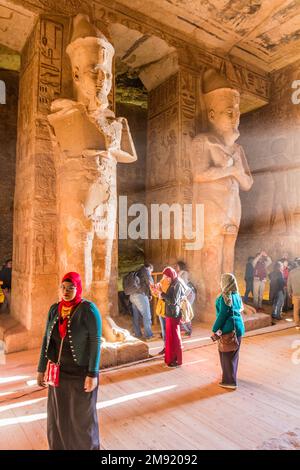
pixel 163 133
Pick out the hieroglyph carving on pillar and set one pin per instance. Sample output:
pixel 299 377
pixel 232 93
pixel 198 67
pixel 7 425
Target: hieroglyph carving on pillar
pixel 91 141
pixel 164 96
pixel 50 66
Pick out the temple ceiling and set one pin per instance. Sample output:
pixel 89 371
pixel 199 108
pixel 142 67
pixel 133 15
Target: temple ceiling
pixel 246 39
pixel 265 33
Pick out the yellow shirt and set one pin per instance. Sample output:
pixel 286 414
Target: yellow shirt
pixel 161 306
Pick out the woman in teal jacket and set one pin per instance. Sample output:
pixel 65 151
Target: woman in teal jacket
pixel 229 307
pixel 72 338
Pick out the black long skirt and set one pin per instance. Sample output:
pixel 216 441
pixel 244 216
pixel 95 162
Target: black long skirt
pixel 72 422
pixel 229 363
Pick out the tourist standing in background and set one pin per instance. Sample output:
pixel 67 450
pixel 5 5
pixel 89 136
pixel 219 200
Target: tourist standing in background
pixel 293 287
pixel 5 277
pixel 249 276
pixel 184 276
pixel 260 265
pixel 277 290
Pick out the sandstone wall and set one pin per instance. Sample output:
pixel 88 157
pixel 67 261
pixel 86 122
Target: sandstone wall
pixel 271 209
pixel 8 139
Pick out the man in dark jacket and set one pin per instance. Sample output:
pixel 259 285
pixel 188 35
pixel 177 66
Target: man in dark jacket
pixel 277 285
pixel 140 301
pixel 249 275
pixel 260 264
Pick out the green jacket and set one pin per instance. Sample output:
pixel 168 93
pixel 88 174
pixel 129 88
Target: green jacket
pixel 84 331
pixel 225 314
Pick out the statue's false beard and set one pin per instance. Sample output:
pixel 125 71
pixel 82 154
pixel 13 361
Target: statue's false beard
pixel 229 136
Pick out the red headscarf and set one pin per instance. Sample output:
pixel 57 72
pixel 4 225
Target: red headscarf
pixel 170 272
pixel 76 281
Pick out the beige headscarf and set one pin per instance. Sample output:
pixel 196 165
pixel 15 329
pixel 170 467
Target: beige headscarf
pixel 228 286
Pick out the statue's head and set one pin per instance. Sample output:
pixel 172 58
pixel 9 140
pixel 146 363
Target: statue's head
pixel 222 104
pixel 91 57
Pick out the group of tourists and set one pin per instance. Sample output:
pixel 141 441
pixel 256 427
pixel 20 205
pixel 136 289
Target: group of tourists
pixel 284 283
pixel 70 353
pixel 140 289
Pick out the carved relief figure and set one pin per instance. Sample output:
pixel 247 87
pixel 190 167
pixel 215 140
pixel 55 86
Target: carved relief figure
pixel 281 193
pixel 154 157
pixel 92 141
pixel 170 145
pixel 220 168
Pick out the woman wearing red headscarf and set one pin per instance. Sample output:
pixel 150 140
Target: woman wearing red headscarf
pixel 172 298
pixel 71 354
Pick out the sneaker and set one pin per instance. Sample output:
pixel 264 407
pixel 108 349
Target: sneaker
pixel 231 386
pixel 173 364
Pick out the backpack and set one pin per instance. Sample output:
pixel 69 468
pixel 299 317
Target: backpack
pixel 192 287
pixel 131 283
pixel 186 311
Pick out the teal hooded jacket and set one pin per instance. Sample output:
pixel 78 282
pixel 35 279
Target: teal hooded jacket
pixel 84 331
pixel 226 315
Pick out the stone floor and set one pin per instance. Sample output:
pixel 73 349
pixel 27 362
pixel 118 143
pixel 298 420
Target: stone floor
pixel 148 406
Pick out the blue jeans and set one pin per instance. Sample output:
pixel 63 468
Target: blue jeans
pixel 277 305
pixel 163 327
pixel 141 309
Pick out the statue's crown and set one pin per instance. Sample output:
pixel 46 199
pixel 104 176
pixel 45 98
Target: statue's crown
pixel 82 28
pixel 212 80
pixel 84 32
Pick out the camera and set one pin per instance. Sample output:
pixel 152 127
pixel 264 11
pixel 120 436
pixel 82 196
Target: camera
pixel 216 336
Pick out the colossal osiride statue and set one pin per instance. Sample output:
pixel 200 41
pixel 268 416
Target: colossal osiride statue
pixel 92 141
pixel 220 169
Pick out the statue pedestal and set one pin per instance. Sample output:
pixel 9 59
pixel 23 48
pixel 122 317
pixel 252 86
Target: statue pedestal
pixel 255 321
pixel 123 352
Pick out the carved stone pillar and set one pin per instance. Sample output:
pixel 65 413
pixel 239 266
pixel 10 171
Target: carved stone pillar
pixel 174 107
pixel 35 275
